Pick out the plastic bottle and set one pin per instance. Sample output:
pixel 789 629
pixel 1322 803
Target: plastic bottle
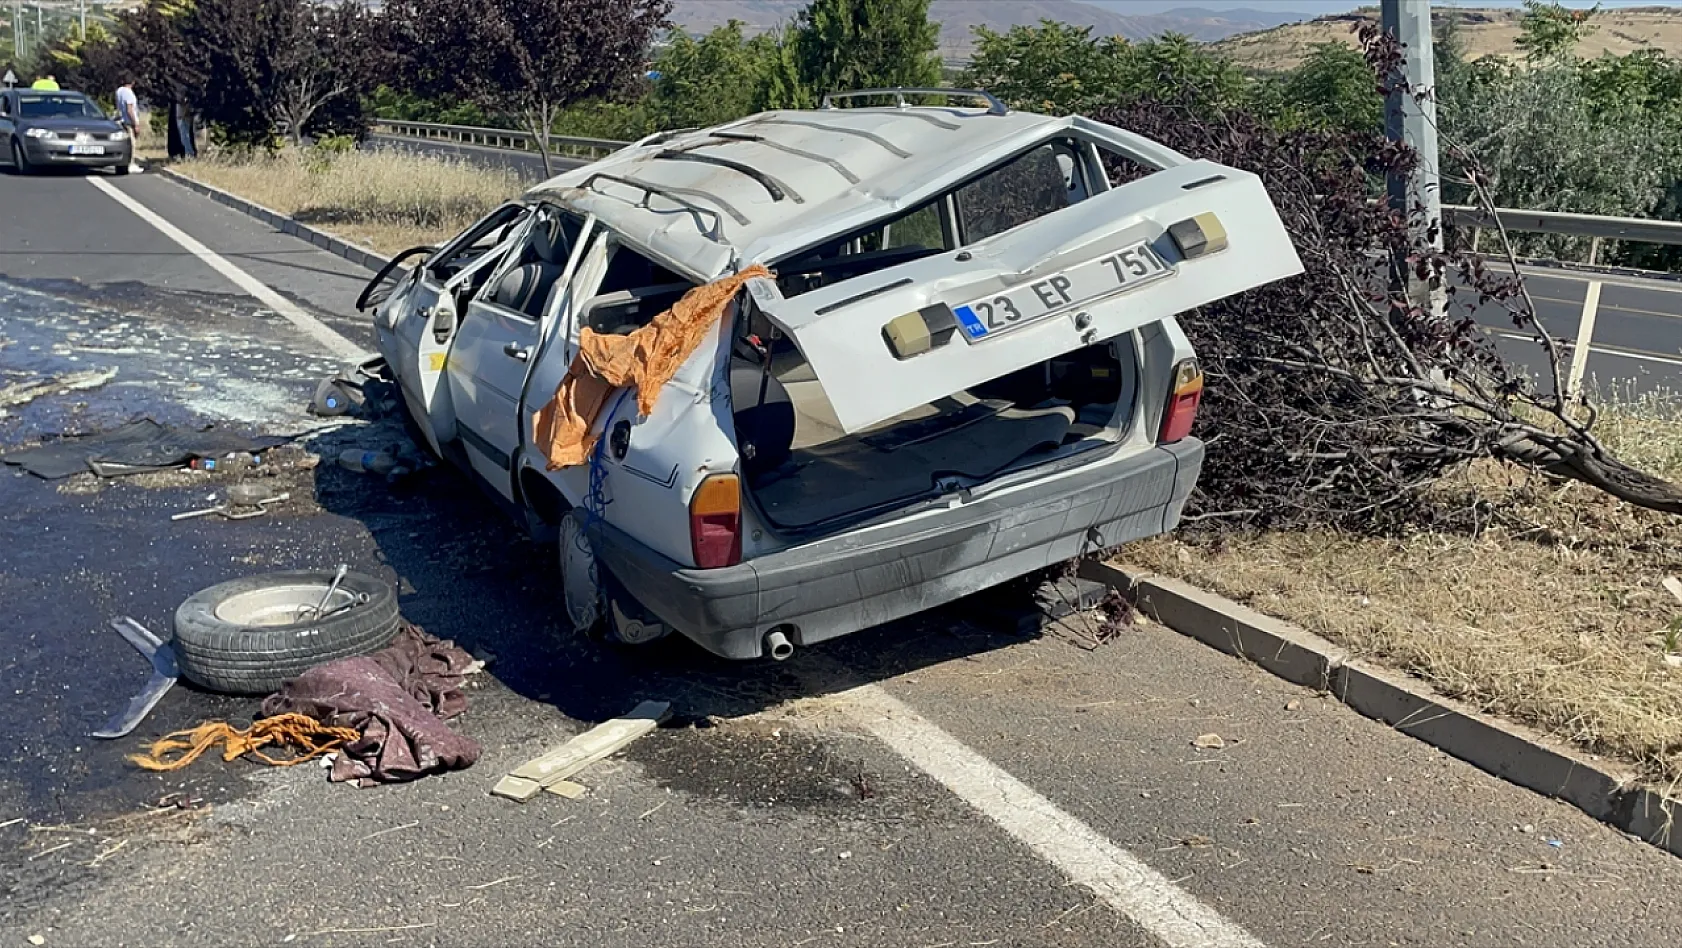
pixel 373 462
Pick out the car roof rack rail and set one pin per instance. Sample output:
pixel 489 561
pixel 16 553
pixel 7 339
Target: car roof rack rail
pixel 776 189
pixel 678 196
pixel 994 106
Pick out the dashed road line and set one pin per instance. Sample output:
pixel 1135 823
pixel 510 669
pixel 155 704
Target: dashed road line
pixel 317 330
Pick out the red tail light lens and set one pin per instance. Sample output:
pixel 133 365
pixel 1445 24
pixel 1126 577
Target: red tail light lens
pixel 715 522
pixel 1183 399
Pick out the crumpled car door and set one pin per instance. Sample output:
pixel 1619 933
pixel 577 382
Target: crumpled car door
pixel 890 341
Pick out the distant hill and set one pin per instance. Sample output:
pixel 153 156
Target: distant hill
pixel 1485 31
pixel 957 17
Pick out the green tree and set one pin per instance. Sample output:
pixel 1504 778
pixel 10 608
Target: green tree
pixel 88 63
pixel 528 59
pixel 782 87
pixel 714 79
pixel 1054 67
pixel 1647 80
pixel 845 45
pixel 1334 87
pixel 1545 141
pixel 1174 67
pixel 1549 31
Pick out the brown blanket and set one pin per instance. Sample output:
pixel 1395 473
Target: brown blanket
pixel 398 698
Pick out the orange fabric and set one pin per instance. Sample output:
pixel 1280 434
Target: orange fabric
pixel 647 358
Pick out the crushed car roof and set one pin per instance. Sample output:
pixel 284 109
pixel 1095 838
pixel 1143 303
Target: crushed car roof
pixel 758 188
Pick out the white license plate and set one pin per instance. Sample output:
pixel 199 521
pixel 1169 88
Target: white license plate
pixel 1123 270
pixel 87 149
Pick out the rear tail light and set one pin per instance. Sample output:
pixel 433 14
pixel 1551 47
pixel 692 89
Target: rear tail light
pixel 1187 391
pixel 715 522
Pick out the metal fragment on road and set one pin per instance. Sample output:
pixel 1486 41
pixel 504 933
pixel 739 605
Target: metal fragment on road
pixel 161 655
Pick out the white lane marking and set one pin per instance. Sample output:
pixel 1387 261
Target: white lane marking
pixel 1598 350
pixel 1169 913
pixel 324 335
pixel 1585 336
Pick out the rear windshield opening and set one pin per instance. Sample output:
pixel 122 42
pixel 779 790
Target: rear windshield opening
pixel 804 470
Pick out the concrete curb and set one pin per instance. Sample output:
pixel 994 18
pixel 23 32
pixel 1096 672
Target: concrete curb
pixel 286 225
pixel 1513 753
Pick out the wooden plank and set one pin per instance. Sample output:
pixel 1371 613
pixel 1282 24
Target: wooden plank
pixel 568 789
pixel 517 788
pixel 600 741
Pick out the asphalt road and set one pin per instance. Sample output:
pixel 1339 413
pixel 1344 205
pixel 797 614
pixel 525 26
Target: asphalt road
pixel 780 809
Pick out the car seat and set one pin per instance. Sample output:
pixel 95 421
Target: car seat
pixel 530 283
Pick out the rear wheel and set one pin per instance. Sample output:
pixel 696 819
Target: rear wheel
pixel 597 605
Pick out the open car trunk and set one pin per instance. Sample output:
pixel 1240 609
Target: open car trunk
pixel 806 472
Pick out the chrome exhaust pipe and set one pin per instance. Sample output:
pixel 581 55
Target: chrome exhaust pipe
pixel 778 645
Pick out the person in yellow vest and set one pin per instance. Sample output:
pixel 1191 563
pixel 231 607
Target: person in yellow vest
pixel 46 83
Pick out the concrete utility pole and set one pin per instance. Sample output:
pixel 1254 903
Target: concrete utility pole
pixel 1413 122
pixel 82 10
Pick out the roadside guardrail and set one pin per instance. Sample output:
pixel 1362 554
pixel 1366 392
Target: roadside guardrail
pixel 1565 224
pixel 508 138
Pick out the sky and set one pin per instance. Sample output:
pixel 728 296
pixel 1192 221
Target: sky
pixel 1321 7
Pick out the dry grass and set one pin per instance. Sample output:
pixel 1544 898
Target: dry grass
pixel 384 199
pixel 1485 32
pixel 1551 614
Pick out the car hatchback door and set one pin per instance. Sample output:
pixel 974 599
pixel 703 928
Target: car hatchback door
pixel 1017 293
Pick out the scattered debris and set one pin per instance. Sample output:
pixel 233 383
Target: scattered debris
pixel 572 757
pixel 37 940
pixel 390 829
pixel 1292 705
pixel 1086 613
pixel 1527 829
pixel 568 789
pixel 1196 841
pixel 397 700
pixel 161 655
pixel 310 737
pixel 253 634
pixel 227 510
pixel 1209 741
pixel 22 393
pixel 139 446
pixel 358 391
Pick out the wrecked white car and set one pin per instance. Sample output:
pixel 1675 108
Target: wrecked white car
pixel 958 363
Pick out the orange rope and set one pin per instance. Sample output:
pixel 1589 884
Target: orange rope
pixel 285 730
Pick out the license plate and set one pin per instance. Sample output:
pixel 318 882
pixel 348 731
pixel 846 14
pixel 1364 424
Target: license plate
pixel 1123 270
pixel 87 149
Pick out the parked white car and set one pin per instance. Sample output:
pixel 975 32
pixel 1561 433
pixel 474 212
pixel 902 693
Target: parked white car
pixel 965 367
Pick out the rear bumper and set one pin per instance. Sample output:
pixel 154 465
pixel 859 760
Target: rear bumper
pixel 864 578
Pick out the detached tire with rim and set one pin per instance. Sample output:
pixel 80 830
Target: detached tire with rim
pixel 250 635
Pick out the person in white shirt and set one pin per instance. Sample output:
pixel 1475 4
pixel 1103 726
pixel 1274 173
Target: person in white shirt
pixel 128 109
